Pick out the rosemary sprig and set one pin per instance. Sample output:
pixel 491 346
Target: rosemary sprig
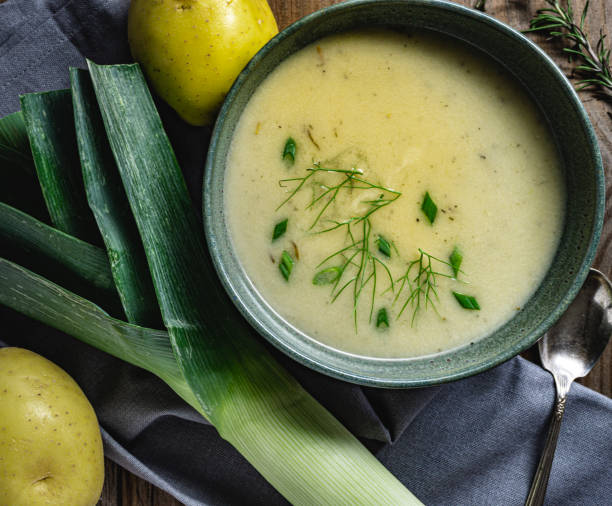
pixel 558 21
pixel 422 288
pixel 480 5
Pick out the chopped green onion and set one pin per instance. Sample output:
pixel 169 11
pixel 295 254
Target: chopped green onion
pixel 466 301
pixel 456 258
pixel 286 265
pixel 280 229
pixel 382 318
pixel 327 276
pixel 429 208
pixel 383 246
pixel 289 151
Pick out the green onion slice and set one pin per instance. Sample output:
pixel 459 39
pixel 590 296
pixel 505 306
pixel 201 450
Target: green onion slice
pixel 279 229
pixel 383 246
pixel 289 150
pixel 286 265
pixel 382 318
pixel 327 276
pixel 456 258
pixel 466 301
pixel 429 208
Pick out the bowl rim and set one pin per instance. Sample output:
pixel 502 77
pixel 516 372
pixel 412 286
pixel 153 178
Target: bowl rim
pixel 354 377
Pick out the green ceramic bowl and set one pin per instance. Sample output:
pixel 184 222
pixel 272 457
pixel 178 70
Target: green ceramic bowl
pixel 570 128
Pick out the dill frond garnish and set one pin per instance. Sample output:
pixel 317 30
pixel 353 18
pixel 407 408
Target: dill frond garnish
pixel 358 265
pixel 422 287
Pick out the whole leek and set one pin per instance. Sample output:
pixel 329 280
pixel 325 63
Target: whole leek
pixel 209 356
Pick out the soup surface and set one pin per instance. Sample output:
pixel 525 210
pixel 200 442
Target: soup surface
pixel 387 126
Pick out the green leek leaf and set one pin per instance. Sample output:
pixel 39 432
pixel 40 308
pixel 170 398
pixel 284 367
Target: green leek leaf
pixel 86 261
pixel 111 210
pixel 50 125
pixel 19 186
pixel 297 445
pixel 39 298
pixel 14 143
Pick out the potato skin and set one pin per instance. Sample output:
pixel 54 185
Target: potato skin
pixel 192 50
pixel 50 444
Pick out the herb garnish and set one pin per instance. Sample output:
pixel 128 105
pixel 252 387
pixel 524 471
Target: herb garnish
pixel 351 179
pixel 382 318
pixel 466 301
pixel 279 229
pixel 285 265
pixel 456 258
pixel 289 151
pixel 480 5
pixel 429 208
pixel 358 263
pixel 558 21
pixel 422 288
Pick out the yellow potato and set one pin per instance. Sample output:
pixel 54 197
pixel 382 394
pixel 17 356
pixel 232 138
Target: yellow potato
pixel 192 50
pixel 50 445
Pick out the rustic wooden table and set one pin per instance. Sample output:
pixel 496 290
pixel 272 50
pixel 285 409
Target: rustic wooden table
pixel 124 489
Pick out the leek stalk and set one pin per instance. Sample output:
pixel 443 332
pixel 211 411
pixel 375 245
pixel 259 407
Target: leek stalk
pixel 297 445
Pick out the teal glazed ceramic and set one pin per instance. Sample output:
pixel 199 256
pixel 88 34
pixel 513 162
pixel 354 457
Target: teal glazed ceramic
pixel 569 126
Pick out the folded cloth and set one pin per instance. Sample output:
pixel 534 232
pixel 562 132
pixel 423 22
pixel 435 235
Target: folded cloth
pixel 476 441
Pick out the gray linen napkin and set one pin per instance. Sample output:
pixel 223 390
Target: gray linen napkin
pixel 475 441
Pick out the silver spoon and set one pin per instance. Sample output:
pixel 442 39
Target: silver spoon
pixel 569 351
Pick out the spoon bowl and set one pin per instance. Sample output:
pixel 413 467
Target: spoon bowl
pixel 572 348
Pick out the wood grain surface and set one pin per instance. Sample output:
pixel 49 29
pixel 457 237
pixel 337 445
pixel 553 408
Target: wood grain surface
pixel 124 489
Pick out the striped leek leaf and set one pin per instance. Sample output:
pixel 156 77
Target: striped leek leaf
pixel 110 207
pixel 14 143
pixel 18 184
pixel 39 298
pixel 50 126
pixel 86 261
pixel 295 443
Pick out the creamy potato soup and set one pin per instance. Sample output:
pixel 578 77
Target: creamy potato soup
pixel 393 195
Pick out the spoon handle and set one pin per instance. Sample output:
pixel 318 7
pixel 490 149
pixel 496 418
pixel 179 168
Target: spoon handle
pixel 540 480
